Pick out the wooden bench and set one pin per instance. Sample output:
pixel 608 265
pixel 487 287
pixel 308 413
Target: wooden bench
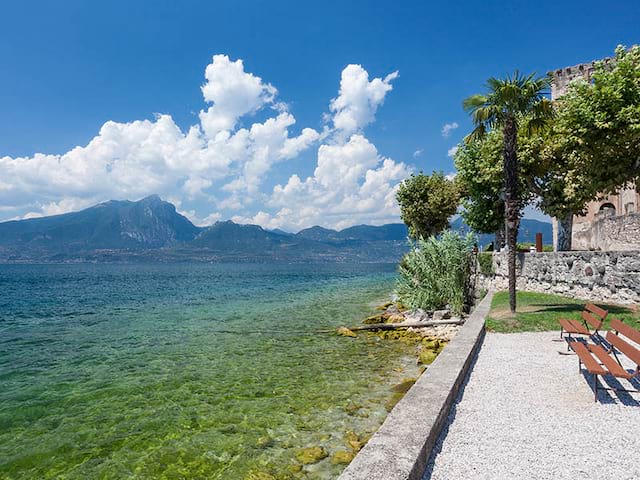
pixel 600 361
pixel 592 316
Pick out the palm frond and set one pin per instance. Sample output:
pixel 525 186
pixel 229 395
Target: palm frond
pixel 478 133
pixel 473 102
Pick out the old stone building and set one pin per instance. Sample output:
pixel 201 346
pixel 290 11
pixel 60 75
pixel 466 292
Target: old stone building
pixel 613 221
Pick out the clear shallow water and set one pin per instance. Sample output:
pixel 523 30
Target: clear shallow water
pixel 187 371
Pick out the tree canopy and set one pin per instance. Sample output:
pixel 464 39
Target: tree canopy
pixel 427 202
pixel 596 135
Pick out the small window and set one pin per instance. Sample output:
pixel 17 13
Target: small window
pixel 630 208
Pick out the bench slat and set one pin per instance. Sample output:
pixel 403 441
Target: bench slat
pixel 573 326
pixel 595 322
pixel 629 350
pixel 614 368
pixel 626 330
pixel 587 359
pixel 600 312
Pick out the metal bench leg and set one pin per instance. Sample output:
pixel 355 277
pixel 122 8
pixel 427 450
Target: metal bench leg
pixel 595 388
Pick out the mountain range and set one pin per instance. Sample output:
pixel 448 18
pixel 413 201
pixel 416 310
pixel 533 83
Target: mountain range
pixel 152 230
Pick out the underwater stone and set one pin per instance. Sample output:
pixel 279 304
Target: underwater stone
pixel 345 332
pixel 310 455
pixel 427 357
pixel 352 440
pixel 374 319
pixel 259 476
pixel 395 398
pixel 404 386
pixel 342 457
pixel 264 442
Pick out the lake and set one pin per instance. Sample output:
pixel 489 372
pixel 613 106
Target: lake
pixel 189 370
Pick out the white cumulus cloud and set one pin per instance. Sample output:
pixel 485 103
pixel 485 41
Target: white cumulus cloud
pixel 351 184
pixel 447 128
pixel 218 167
pixel 358 99
pixel 233 92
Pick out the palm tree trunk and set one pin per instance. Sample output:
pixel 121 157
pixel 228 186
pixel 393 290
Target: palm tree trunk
pixel 500 239
pixel 511 202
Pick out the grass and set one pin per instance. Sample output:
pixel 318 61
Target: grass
pixel 540 312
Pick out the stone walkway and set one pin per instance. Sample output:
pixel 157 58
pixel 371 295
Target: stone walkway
pixel 526 413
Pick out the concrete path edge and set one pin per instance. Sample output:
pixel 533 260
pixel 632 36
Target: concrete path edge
pixel 401 447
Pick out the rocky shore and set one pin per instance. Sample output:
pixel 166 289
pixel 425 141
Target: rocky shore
pixel 429 340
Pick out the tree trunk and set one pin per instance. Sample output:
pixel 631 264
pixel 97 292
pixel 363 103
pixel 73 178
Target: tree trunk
pixel 511 202
pixel 565 230
pixel 500 239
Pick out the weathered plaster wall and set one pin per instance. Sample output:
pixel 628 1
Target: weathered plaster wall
pixel 608 233
pixel 598 276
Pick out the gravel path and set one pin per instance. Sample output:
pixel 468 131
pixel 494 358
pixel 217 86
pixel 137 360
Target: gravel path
pixel 526 413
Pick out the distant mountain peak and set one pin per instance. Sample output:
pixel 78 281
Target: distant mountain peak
pixel 152 228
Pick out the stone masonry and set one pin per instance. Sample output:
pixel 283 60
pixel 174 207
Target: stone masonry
pixel 608 233
pixel 598 276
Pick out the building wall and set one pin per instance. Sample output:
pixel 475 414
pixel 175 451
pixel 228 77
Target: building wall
pixel 608 233
pixel 597 276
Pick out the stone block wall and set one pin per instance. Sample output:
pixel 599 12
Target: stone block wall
pixel 608 233
pixel 598 276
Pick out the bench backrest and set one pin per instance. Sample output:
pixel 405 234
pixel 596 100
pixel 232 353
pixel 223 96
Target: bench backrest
pixel 594 315
pixel 629 350
pixel 627 330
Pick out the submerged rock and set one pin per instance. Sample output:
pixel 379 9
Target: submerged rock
pixel 342 457
pixel 404 386
pixel 264 442
pixel 310 455
pixel 352 408
pixel 384 306
pixel 426 357
pixel 395 398
pixel 396 318
pixel 253 475
pixel 345 332
pixel 374 319
pixel 352 440
pixel 431 344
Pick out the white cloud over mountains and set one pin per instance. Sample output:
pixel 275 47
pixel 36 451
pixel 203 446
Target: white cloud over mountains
pixel 217 168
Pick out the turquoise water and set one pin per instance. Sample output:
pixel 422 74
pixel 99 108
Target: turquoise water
pixel 188 371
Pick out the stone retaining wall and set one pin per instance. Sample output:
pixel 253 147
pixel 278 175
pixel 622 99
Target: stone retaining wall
pixel 400 449
pixel 598 276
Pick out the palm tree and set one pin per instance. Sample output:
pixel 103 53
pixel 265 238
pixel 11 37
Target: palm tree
pixel 509 104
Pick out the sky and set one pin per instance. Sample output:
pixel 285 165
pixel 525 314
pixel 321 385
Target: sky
pixel 285 114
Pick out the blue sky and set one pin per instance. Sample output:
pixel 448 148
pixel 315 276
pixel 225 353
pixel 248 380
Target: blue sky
pixel 70 67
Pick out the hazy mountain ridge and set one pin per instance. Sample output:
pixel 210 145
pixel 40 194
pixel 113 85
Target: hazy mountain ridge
pixel 152 230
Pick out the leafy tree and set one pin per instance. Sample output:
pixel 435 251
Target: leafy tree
pixel 594 145
pixel 427 202
pixel 480 166
pixel 509 104
pixel 479 174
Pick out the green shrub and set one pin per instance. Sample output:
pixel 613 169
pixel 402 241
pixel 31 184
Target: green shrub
pixel 436 272
pixel 527 245
pixel 485 263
